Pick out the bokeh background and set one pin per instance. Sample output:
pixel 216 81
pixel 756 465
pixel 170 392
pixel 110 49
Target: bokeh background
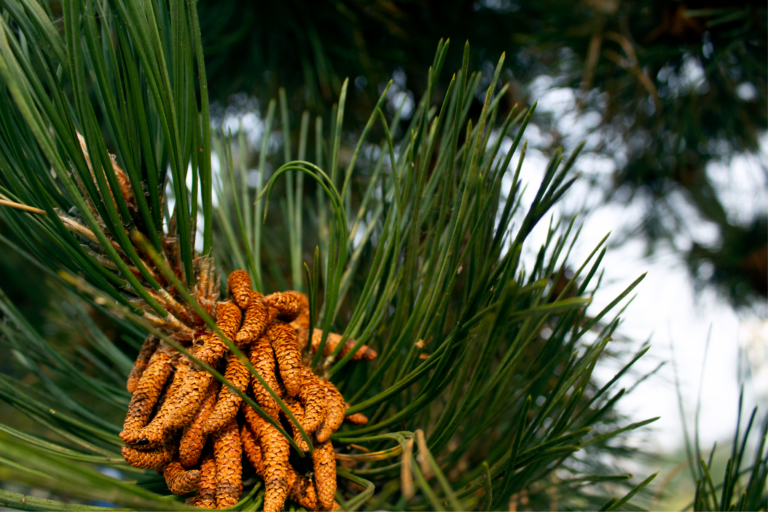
pixel 670 97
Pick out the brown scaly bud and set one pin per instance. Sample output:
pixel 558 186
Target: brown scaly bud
pixel 288 355
pixel 256 320
pixel 229 402
pixel 312 397
pixel 206 487
pixel 193 439
pixel 239 284
pixel 357 418
pixel 155 432
pixel 298 412
pixel 202 287
pixel 335 408
pixel 150 459
pixel 364 353
pixel 228 317
pixel 208 348
pixel 180 480
pixel 123 181
pixel 287 305
pixel 207 287
pixel 147 392
pixel 252 417
pixel 229 465
pixel 338 407
pixel 324 464
pixel 189 398
pixel 145 354
pixel 252 448
pixel 263 360
pixel 301 490
pixel 275 453
pixel 301 322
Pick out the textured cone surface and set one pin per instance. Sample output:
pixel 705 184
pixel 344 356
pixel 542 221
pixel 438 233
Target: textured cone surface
pixel 189 398
pixel 324 463
pixel 193 440
pixel 142 360
pixel 253 418
pixel 298 412
pixel 275 451
pixel 335 408
pixel 202 348
pixel 301 490
pixel 357 419
pixel 229 465
pixel 252 448
pixel 263 360
pixel 228 403
pixel 364 353
pixel 196 438
pixel 206 488
pixel 256 319
pixel 180 480
pixel 287 305
pixel 228 317
pixel 301 322
pixel 312 397
pixel 180 408
pixel 239 284
pixel 154 432
pixel 288 355
pixel 150 459
pixel 147 391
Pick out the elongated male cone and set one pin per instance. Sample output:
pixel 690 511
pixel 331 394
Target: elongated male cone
pixel 239 284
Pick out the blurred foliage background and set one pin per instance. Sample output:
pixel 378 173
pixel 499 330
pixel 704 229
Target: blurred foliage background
pixel 664 88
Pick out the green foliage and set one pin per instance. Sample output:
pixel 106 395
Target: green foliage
pixel 743 485
pixel 149 106
pixel 483 390
pixel 667 88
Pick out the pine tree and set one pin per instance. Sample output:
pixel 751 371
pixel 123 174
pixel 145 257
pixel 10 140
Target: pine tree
pixel 675 86
pixel 482 393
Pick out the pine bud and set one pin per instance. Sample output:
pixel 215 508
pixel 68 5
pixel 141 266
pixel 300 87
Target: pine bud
pixel 287 304
pixel 142 360
pixel 148 391
pixel 228 402
pixel 229 465
pixel 239 284
pixel 324 463
pixel 256 319
pixel 286 347
pixel 180 480
pixel 193 439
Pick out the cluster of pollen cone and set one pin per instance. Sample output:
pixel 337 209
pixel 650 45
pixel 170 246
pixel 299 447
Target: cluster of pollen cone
pixel 198 433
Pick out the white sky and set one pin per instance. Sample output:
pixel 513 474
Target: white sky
pixel 666 310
